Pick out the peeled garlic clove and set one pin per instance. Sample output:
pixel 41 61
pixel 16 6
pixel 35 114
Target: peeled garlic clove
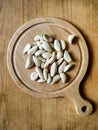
pixel 47 38
pixel 63 44
pixel 39 72
pixel 34 76
pixel 42 65
pixel 41 59
pixel 41 80
pixel 39 52
pixel 63 77
pixel 39 44
pixel 53 69
pixel 49 79
pixel 41 47
pixel 45 74
pixel 46 55
pixel 55 79
pixel 51 60
pixel 32 50
pixel 38 37
pixel 57 45
pixel 36 61
pixel 27 48
pixel 29 62
pixel 59 61
pixel 67 67
pixel 59 54
pixel 67 56
pixel 71 38
pixel 61 67
pixel 47 47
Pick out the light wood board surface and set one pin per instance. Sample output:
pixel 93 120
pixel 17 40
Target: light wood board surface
pixel 61 30
pixel 18 110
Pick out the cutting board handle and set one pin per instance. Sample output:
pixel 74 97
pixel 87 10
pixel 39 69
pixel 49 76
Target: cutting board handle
pixel 82 106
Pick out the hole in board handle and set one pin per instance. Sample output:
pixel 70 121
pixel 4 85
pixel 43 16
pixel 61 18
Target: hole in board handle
pixel 84 108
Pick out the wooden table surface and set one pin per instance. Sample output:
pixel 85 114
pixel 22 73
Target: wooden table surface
pixel 20 111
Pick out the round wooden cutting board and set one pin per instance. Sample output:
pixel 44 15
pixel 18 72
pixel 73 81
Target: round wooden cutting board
pixel 60 29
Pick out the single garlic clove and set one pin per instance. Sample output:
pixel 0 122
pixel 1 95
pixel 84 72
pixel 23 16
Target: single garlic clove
pixel 42 65
pixel 59 61
pixel 41 80
pixel 29 62
pixel 67 56
pixel 53 69
pixel 63 77
pixel 61 67
pixel 45 74
pixel 51 60
pixel 56 78
pixel 36 61
pixel 34 76
pixel 32 50
pixel 71 38
pixel 67 67
pixel 59 54
pixel 27 48
pixel 46 55
pixel 38 37
pixel 40 45
pixel 39 52
pixel 57 45
pixel 63 44
pixel 47 47
pixel 39 72
pixel 49 79
pixel 47 38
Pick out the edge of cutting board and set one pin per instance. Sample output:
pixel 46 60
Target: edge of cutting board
pixel 10 52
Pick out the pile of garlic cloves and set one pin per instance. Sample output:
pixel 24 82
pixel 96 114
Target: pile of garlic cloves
pixel 50 58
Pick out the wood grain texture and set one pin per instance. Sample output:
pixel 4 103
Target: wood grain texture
pixel 18 110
